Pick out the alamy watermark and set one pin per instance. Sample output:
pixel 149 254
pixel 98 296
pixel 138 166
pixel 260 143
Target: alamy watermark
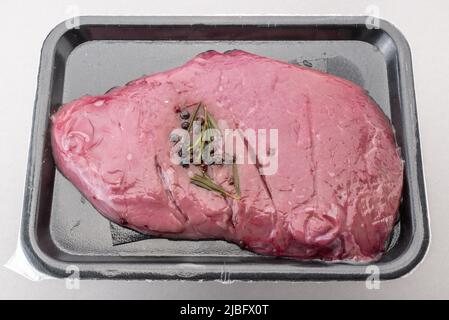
pixel 373 13
pixel 73 13
pixel 214 146
pixel 72 282
pixel 372 282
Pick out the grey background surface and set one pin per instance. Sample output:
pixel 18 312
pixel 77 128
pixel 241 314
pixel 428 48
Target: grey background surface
pixel 25 26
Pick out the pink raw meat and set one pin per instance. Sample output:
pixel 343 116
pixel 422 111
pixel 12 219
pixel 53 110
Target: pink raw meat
pixel 336 192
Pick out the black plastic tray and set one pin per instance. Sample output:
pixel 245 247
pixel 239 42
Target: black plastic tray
pixel 60 228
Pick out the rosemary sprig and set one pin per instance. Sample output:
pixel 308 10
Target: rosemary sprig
pixel 190 148
pixel 204 181
pixel 203 132
pixel 192 119
pixel 204 135
pixel 236 179
pixel 211 121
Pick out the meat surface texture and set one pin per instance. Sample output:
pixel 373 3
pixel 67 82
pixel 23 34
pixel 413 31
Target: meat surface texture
pixel 336 192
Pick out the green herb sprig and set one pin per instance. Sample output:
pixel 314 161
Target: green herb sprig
pixel 192 119
pixel 205 181
pixel 236 179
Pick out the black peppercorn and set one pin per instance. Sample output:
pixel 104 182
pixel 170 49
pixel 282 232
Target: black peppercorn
pixel 185 164
pixel 184 114
pixel 185 125
pixel 174 137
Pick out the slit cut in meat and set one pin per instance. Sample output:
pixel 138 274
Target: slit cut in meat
pixel 183 217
